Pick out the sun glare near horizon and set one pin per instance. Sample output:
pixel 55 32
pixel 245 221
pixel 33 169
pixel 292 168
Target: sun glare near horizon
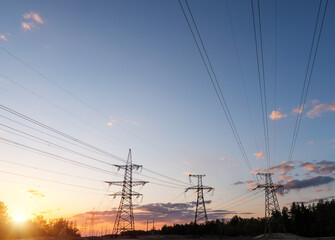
pixel 19 218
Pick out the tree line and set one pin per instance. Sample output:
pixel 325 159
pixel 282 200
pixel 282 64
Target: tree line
pixel 314 220
pixel 36 227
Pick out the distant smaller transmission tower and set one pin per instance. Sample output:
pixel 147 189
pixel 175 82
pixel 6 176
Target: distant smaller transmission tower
pixel 271 201
pixel 200 212
pixel 124 221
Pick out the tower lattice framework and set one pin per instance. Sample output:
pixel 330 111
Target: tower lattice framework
pixel 200 212
pixel 124 221
pixel 271 202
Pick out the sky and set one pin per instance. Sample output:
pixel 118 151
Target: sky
pixel 122 75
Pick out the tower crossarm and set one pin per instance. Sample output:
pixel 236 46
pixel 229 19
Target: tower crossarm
pixel 272 187
pixel 120 183
pixel 119 194
pixel 199 188
pixel 133 166
pixel 196 175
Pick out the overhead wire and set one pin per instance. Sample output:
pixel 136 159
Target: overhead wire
pixel 241 73
pixel 261 76
pixel 76 163
pixel 308 75
pixel 25 117
pixel 214 81
pixel 81 101
pixel 275 78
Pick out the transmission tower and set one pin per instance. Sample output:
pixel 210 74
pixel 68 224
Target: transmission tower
pixel 200 212
pixel 92 224
pixel 124 221
pixel 271 202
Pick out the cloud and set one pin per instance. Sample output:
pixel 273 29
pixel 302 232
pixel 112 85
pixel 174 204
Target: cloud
pixel 318 110
pixel 35 193
pixel 277 115
pixel 306 183
pixel 310 142
pixel 47 211
pixel 132 122
pixel 4 36
pixel 323 167
pixel 285 177
pixel 33 19
pixel 316 200
pixel 298 110
pixel 112 122
pixel 238 183
pixel 259 155
pixel 34 16
pixel 255 171
pixel 163 212
pixel 282 168
pixel 28 26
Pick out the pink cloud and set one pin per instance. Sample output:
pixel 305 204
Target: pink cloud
pixel 259 155
pixel 34 16
pixel 298 110
pixel 285 177
pixel 277 115
pixel 112 122
pixel 310 142
pixel 28 26
pixel 4 37
pixel 255 171
pixel 318 110
pixel 282 168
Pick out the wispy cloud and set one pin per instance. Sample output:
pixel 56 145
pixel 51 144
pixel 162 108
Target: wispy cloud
pixel 298 110
pixel 319 109
pixel 285 177
pixel 275 115
pixel 33 19
pixel 310 142
pixel 34 16
pixel 323 167
pixel 306 183
pixel 255 171
pixel 112 122
pixel 282 168
pixel 238 183
pixel 28 26
pixel 4 36
pixel 259 155
pixel 35 193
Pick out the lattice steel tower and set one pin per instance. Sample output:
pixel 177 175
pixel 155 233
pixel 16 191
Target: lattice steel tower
pixel 124 221
pixel 200 212
pixel 271 202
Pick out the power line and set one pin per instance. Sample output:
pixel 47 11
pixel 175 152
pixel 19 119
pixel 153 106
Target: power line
pixel 241 72
pixel 308 76
pixel 79 99
pixel 275 78
pixel 226 202
pixel 25 117
pixel 50 171
pixel 52 181
pixel 76 163
pixel 214 81
pixel 262 87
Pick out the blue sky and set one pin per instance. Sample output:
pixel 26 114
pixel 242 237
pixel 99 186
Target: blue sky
pixel 136 63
